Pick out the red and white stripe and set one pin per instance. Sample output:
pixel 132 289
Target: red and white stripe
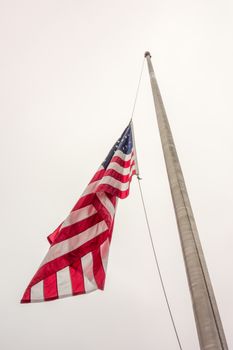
pixel 76 262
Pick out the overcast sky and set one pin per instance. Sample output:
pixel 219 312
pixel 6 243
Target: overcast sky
pixel 69 72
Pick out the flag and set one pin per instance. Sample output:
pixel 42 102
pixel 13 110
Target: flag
pixel 76 261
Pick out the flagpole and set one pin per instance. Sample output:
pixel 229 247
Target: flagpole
pixel 208 323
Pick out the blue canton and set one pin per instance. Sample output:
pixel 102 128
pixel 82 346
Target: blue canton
pixel 124 144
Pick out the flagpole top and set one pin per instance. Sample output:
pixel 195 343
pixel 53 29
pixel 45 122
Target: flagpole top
pixel 147 53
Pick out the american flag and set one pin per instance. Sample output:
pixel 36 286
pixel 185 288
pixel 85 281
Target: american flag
pixel 76 261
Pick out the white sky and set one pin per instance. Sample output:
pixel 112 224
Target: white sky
pixel 69 72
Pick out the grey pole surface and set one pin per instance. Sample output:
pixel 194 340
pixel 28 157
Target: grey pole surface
pixel 209 326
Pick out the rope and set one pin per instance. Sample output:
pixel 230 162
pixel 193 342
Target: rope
pixel 158 267
pixel 148 225
pixel 137 91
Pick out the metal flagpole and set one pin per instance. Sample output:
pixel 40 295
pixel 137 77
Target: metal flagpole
pixel 208 323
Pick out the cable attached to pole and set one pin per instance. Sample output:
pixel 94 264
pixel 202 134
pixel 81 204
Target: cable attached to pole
pixel 158 267
pixel 137 91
